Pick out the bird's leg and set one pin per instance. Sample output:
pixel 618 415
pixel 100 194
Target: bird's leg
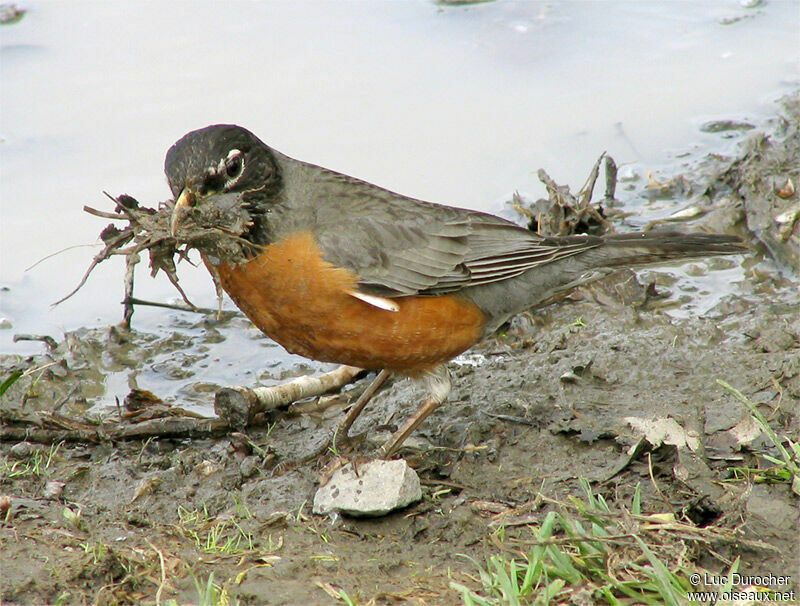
pixel 343 429
pixel 437 382
pixel 346 423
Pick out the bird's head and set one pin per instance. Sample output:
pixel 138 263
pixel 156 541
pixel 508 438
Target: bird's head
pixel 221 176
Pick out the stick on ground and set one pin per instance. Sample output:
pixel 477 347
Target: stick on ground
pixel 238 405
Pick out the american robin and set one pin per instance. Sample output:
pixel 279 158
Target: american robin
pixel 339 270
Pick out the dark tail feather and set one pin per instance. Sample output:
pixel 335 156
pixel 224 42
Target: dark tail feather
pixel 658 246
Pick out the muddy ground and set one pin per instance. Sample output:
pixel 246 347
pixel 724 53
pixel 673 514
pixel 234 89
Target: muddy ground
pixel 533 409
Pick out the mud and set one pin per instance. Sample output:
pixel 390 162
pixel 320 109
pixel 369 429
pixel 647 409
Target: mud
pixel 533 409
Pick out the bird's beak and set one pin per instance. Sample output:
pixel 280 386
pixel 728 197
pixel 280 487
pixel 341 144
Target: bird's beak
pixel 184 202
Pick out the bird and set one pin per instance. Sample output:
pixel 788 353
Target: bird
pixel 336 269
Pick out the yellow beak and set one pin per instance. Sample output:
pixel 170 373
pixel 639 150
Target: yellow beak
pixel 184 202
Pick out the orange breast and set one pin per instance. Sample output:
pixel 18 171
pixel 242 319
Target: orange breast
pixel 301 301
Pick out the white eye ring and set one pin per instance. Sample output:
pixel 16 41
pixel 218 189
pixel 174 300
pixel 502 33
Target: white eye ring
pixel 232 160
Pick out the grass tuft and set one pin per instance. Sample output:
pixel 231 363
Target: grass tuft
pixel 587 552
pixel 785 469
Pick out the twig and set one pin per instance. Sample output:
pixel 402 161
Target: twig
pixel 46 339
pixel 508 418
pixel 58 252
pixel 66 398
pixel 130 266
pixel 664 499
pixel 565 213
pixel 111 244
pixel 238 405
pixel 611 178
pixel 585 194
pixel 173 278
pixel 149 229
pixel 201 310
pixel 163 572
pixel 103 214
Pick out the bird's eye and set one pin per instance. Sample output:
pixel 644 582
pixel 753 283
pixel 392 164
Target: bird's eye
pixel 233 164
pixel 233 167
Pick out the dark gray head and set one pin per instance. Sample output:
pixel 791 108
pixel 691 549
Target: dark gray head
pixel 223 158
pixel 208 165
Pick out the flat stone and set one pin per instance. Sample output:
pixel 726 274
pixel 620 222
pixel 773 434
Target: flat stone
pixel 24 450
pixel 379 488
pixel 773 510
pixel 249 466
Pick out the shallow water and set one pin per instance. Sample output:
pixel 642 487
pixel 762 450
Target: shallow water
pixel 459 105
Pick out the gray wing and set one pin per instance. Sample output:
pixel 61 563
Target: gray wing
pixel 400 246
pixel 415 248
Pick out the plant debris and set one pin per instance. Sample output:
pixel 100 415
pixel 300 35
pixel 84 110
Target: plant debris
pixel 564 213
pixel 150 229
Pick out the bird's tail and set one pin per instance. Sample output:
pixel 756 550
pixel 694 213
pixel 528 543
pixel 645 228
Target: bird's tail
pixel 592 258
pixel 658 246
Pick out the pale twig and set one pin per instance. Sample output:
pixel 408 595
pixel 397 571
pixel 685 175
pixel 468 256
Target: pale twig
pixel 46 339
pixel 98 258
pixel 238 405
pixel 103 214
pixel 664 499
pixel 58 252
pixel 174 280
pixel 130 271
pixel 195 309
pixel 163 571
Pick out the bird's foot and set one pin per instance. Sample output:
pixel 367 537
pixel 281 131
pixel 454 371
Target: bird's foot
pixel 337 452
pixel 330 468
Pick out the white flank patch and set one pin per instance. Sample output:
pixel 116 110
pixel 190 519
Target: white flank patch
pixel 379 302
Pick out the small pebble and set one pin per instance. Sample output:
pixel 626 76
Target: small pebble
pixel 249 466
pixel 569 377
pixel 9 13
pixel 53 490
pixel 23 450
pixel 207 468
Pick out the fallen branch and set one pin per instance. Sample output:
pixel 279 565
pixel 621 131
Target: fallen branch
pixel 166 427
pixel 237 406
